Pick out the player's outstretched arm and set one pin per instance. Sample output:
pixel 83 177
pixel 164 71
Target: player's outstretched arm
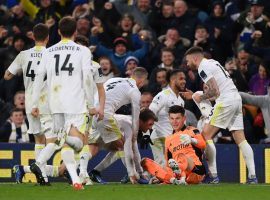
pixel 135 97
pixel 101 95
pixel 14 68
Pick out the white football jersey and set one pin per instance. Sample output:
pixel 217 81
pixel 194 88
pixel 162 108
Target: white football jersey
pixel 160 106
pixel 28 62
pixel 210 68
pixel 122 91
pixel 68 67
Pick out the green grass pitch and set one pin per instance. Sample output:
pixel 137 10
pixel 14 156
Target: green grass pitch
pixel 62 191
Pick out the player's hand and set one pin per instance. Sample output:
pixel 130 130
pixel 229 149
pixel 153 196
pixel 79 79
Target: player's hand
pixel 187 94
pixel 100 114
pixel 133 180
pixel 35 112
pixel 92 111
pixel 185 139
pixel 182 181
pixel 197 98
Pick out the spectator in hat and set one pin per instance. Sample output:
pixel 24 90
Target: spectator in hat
pixel 130 64
pixel 250 21
pixel 120 52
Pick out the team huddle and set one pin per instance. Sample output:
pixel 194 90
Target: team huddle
pixel 60 84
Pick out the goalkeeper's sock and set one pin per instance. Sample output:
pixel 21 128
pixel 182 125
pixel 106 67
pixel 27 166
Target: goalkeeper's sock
pixel 85 156
pixel 38 149
pixel 52 171
pixel 109 159
pixel 210 153
pixel 68 157
pixel 249 157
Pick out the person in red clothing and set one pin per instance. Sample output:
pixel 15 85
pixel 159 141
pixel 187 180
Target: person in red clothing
pixel 183 153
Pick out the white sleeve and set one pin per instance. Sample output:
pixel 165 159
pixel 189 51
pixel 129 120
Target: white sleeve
pixel 88 77
pixel 98 75
pixel 16 65
pixel 135 97
pixel 157 103
pixel 39 79
pixel 205 72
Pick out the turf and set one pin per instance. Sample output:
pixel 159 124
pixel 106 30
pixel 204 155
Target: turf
pixel 62 191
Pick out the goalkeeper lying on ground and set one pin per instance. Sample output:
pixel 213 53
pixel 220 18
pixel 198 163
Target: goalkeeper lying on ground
pixel 183 153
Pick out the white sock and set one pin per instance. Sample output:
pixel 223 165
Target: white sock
pixel 109 159
pixel 52 171
pixel 249 157
pixel 26 169
pixel 44 156
pixel 46 153
pixel 38 149
pixel 211 153
pixel 75 143
pixel 69 159
pixel 84 159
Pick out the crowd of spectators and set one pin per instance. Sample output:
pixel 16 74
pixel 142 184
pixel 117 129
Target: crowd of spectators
pixel 154 34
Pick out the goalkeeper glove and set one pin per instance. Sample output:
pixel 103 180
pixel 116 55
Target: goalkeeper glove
pixel 186 139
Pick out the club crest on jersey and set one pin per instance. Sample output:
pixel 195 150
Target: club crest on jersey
pixel 203 75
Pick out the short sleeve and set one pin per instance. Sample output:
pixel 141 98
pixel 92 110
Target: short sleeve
pixel 205 73
pixel 16 65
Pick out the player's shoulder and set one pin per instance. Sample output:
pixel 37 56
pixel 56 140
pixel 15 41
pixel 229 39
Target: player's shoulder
pixel 192 129
pixel 95 64
pixel 166 92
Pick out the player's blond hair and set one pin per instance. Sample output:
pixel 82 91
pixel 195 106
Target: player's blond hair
pixel 140 72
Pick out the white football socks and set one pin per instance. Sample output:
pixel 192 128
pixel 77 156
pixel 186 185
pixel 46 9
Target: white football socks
pixel 69 159
pixel 85 156
pixel 249 157
pixel 211 153
pixel 38 149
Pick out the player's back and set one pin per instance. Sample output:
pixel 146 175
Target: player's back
pixel 211 68
pixel 65 63
pixel 28 62
pixel 118 93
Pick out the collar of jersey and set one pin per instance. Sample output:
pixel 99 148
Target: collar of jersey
pixel 169 88
pixel 38 47
pixel 65 40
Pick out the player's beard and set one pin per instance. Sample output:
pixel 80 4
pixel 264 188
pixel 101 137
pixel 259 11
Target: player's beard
pixel 180 86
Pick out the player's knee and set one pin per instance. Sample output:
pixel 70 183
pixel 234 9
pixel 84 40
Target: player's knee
pixel 40 138
pixel 75 143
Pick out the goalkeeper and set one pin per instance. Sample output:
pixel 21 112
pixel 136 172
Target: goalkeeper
pixel 183 153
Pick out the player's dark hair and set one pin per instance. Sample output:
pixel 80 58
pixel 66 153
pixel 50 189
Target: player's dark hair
pixel 147 114
pixel 140 72
pixel 15 110
pixel 194 50
pixel 147 93
pixel 177 109
pixel 167 49
pixel 67 26
pixel 41 32
pixel 173 73
pixel 82 40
